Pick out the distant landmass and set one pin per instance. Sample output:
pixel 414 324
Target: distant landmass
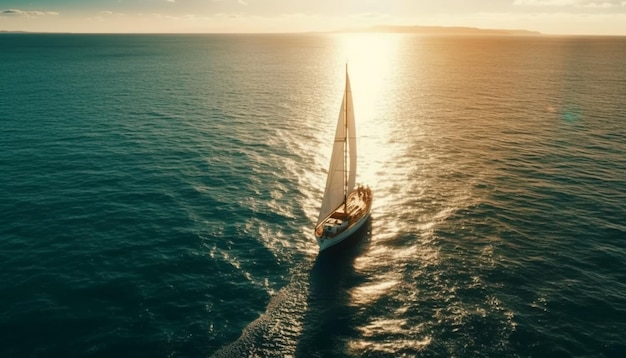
pixel 441 30
pixel 425 30
pixel 32 32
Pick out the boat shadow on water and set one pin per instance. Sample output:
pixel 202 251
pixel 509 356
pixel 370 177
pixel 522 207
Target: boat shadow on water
pixel 329 319
pixel 312 315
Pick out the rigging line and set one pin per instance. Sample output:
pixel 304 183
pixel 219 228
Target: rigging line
pixel 345 148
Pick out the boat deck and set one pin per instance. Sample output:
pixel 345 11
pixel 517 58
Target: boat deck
pixel 359 204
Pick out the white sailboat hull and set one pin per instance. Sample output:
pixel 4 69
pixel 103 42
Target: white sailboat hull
pixel 325 243
pixel 346 219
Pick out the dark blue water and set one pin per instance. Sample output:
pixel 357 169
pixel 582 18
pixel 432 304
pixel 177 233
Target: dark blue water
pixel 158 195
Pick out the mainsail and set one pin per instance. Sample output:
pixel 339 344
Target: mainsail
pixel 339 183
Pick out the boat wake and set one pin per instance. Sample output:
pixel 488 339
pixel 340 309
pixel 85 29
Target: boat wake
pixel 299 316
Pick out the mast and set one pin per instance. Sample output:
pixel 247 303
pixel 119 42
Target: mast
pixel 345 149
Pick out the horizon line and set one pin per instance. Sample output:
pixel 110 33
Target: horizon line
pixel 377 29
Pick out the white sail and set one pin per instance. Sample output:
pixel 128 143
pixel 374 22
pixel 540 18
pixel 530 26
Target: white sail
pixel 336 186
pixel 345 208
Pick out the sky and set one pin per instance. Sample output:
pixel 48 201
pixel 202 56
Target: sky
pixel 557 17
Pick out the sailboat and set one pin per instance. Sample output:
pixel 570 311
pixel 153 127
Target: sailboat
pixel 345 206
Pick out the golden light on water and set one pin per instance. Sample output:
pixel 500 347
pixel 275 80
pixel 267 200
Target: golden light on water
pixel 366 294
pixel 372 64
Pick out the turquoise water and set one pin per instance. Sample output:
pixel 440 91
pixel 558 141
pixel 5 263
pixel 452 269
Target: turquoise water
pixel 158 195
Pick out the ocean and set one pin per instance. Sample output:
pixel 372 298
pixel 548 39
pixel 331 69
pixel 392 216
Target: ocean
pixel 158 195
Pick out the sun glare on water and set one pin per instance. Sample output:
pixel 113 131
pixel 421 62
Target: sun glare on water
pixel 375 67
pixel 371 61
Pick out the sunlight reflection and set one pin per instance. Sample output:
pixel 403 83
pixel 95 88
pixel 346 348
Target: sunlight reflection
pixel 372 61
pixel 366 294
pixel 390 347
pixel 386 326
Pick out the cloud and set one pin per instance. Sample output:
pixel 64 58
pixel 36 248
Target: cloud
pixel 571 3
pixel 12 12
pixel 28 13
pixel 600 5
pixel 111 13
pixel 544 2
